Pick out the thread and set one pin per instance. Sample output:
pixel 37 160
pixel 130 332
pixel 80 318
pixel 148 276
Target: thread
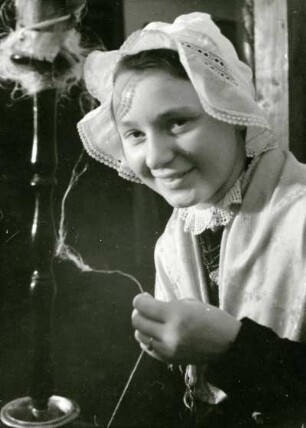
pixel 47 23
pixel 46 46
pixel 66 252
pixel 125 389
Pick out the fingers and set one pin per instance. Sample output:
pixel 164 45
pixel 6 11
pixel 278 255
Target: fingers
pixel 149 345
pixel 145 326
pixel 150 307
pixel 151 353
pixel 142 338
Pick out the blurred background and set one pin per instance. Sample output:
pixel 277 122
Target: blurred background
pixel 114 224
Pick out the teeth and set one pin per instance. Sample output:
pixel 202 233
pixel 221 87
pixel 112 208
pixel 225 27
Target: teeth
pixel 174 177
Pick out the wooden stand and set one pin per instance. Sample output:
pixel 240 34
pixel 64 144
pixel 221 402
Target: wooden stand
pixel 42 408
pixel 43 287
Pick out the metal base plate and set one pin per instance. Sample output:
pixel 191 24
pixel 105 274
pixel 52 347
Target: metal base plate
pixel 21 413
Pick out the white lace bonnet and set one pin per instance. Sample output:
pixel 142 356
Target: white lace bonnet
pixel 222 82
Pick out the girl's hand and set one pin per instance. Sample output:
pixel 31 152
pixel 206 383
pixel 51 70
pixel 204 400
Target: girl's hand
pixel 183 331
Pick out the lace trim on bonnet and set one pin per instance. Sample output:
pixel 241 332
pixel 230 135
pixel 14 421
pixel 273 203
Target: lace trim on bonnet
pixel 210 61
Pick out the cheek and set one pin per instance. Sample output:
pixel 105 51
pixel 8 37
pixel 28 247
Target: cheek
pixel 207 159
pixel 127 151
pixel 134 158
pixel 214 164
pixel 228 160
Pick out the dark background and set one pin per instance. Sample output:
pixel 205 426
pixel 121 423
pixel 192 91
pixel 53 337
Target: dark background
pixel 114 224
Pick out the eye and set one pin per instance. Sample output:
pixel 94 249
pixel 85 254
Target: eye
pixel 180 122
pixel 134 136
pixel 179 125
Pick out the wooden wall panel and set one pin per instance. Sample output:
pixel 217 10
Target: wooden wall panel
pixel 297 77
pixel 271 64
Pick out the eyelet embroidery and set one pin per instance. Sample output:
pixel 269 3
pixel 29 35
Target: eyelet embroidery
pixel 213 62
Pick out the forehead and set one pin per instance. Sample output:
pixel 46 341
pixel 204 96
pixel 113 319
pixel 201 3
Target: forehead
pixel 136 93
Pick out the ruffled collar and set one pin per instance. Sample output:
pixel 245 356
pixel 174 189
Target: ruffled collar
pixel 197 219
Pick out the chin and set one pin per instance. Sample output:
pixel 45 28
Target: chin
pixel 181 201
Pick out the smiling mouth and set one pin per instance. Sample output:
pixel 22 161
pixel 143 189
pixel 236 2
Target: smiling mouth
pixel 174 180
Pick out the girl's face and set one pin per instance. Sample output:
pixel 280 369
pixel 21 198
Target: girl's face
pixel 171 144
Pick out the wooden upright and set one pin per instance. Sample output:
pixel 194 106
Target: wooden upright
pixel 43 288
pixel 272 64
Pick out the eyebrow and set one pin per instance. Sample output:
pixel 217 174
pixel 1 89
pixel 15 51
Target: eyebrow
pixel 165 115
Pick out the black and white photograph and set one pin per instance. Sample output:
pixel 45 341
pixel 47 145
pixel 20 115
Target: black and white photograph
pixel 153 213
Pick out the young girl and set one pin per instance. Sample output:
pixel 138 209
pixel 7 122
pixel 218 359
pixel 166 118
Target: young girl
pixel 178 113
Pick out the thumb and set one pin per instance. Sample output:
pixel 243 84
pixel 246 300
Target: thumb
pixel 151 308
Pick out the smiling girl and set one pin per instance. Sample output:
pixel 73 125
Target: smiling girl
pixel 178 114
pixel 170 142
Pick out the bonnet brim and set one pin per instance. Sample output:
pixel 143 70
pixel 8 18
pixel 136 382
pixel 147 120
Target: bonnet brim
pixel 223 83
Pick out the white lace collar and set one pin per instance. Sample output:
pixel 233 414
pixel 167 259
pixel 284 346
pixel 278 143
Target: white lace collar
pixel 197 219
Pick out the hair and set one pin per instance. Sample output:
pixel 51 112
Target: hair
pixel 166 60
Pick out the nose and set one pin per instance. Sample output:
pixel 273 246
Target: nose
pixel 159 151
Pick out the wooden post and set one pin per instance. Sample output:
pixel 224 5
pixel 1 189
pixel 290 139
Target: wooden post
pixel 34 11
pixel 246 32
pixel 297 77
pixel 42 408
pixel 39 53
pixel 44 163
pixel 271 64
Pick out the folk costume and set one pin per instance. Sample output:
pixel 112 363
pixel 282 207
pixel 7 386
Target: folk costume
pixel 247 253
